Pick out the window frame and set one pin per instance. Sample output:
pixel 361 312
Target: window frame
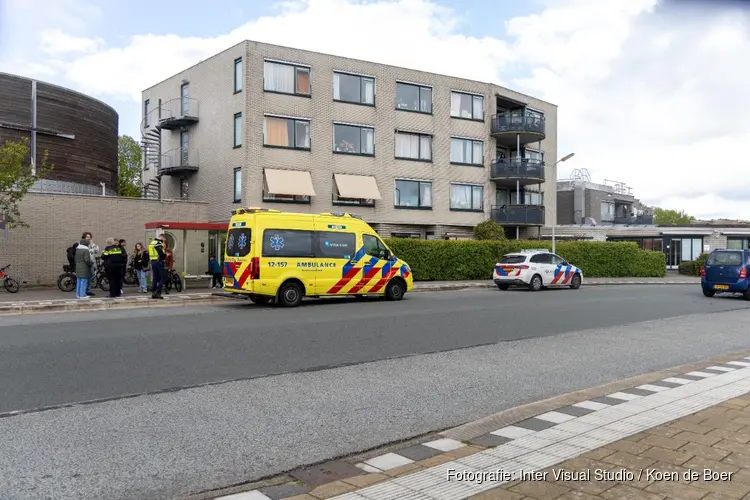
pixel 473 96
pixel 419 152
pixel 610 204
pixel 472 186
pixel 420 88
pixel 239 230
pixel 146 105
pixel 379 244
pixel 318 236
pixel 295 120
pixel 237 199
pixel 419 183
pixel 360 127
pixel 237 119
pixel 473 141
pixel 361 78
pixel 296 67
pixel 272 230
pixel 239 83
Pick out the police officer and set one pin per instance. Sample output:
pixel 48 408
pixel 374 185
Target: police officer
pixel 114 260
pixel 157 255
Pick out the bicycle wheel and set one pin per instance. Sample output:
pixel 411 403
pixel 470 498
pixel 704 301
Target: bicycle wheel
pixel 11 285
pixel 66 282
pixel 168 284
pixel 95 281
pixel 177 283
pixel 130 277
pixel 103 283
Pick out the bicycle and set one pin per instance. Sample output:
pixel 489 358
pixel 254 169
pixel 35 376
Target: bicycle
pixel 100 280
pixel 173 279
pixel 66 282
pixel 131 277
pixel 9 283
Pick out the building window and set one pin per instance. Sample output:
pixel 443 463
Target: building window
pixel 238 76
pixel 237 184
pixel 467 197
pixel 410 146
pixel 237 130
pixel 413 194
pixel 467 152
pixel 146 104
pixel 286 78
pixel 527 154
pixel 354 88
pixel 468 106
pixel 410 97
pixel 185 99
pixel 527 198
pixel 737 243
pixel 290 133
pixel 353 139
pixel 608 211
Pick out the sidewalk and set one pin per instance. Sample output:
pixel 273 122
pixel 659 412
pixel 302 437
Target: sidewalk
pixel 678 434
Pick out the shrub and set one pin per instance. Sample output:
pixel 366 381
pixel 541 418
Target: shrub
pixel 489 230
pixel 451 260
pixel 693 267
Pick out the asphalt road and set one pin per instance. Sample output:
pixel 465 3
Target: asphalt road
pixel 168 444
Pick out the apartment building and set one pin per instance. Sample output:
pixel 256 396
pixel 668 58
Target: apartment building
pixel 415 154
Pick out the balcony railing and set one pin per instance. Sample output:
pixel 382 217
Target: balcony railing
pixel 528 122
pixel 638 220
pixel 517 168
pixel 529 215
pixel 178 112
pixel 178 161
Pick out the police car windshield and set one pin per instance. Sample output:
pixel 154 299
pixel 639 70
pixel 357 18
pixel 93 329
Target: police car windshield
pixel 512 259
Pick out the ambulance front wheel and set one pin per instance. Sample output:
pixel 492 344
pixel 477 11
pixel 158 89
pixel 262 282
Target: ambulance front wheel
pixel 395 289
pixel 290 294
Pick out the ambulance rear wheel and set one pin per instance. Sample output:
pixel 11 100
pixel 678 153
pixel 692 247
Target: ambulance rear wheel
pixel 395 289
pixel 260 299
pixel 290 294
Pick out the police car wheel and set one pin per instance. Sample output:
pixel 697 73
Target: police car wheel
pixel 290 295
pixel 575 282
pixel 503 286
pixel 536 283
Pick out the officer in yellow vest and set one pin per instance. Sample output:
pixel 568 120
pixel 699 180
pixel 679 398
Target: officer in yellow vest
pixel 157 255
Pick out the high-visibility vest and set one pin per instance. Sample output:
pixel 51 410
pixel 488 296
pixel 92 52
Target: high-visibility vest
pixel 116 250
pixel 153 253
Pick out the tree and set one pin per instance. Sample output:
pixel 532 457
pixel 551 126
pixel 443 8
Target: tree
pixel 489 230
pixel 665 216
pixel 16 178
pixel 129 182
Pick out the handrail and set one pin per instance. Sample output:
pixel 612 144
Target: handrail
pixel 178 157
pixel 178 108
pixel 517 167
pixel 518 214
pixel 519 121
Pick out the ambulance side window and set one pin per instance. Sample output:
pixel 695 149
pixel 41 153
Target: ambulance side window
pixel 373 246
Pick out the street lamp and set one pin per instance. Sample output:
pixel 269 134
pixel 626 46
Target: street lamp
pixel 554 219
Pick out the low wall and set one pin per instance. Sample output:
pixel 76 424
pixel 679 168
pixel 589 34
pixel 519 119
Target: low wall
pixel 37 253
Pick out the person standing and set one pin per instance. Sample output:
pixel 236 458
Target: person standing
pixel 122 243
pixel 83 268
pixel 113 263
pixel 94 251
pixel 214 268
pixel 157 256
pixel 140 262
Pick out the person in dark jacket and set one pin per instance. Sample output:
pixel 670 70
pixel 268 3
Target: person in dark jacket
pixel 122 243
pixel 140 264
pixel 214 268
pixel 157 256
pixel 83 268
pixel 113 257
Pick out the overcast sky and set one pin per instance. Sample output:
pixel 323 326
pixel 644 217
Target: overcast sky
pixel 653 94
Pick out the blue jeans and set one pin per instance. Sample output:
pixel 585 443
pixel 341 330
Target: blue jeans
pixel 88 281
pixel 142 283
pixel 81 285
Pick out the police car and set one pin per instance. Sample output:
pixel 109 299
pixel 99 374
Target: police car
pixel 535 269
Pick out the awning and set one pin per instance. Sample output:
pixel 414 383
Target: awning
pixel 289 182
pixel 357 186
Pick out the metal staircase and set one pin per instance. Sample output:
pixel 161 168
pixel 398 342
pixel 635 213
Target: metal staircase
pixel 151 151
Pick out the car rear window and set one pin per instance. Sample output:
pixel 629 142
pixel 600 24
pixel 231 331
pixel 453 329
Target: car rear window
pixel 512 259
pixel 725 259
pixel 238 242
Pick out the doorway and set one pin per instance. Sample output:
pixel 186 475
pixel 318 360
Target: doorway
pixel 217 245
pixel 682 249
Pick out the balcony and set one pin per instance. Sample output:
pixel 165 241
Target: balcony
pixel 505 171
pixel 640 220
pixel 179 162
pixel 180 112
pixel 518 215
pixel 528 126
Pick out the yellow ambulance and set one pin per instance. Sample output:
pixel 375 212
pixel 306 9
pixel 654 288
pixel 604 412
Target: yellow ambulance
pixel 284 256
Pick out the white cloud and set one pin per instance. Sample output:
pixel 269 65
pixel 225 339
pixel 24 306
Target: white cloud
pixel 648 96
pixel 56 43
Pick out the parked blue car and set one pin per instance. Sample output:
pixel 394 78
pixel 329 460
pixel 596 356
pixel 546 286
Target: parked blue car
pixel 726 271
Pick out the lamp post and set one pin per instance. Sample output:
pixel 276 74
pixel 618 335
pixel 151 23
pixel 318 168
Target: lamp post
pixel 554 219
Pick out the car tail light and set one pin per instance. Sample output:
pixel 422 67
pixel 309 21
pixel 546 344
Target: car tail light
pixel 254 268
pixel 743 273
pixel 522 266
pixel 703 271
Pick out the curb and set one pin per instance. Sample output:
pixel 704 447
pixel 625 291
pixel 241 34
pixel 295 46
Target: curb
pixel 42 307
pixel 440 288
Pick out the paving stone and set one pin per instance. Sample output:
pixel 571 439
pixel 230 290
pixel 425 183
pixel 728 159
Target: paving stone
pixel 629 446
pixel 723 423
pixel 629 461
pixel 674 489
pixel 464 452
pixel 625 492
pixel 577 495
pixel 739 460
pixel 709 452
pixel 497 494
pixel 366 480
pixel 733 489
pixel 663 431
pixel 691 427
pixel 692 437
pixel 667 468
pixel 332 489
pixel 742 476
pixel 540 489
pixel 284 491
pixel 670 443
pixel 699 463
pixel 636 437
pixel 437 460
pixel 301 497
pixel 489 440
pixel 740 402
pixel 418 452
pixel 406 469
pixel 739 436
pixel 717 496
pixel 664 383
pixel 326 473
pixel 608 401
pixel 668 456
pixel 535 424
pixel 742 420
pixel 637 391
pixel 592 487
pixel 599 453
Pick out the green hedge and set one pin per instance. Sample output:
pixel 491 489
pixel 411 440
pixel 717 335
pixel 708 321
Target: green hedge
pixel 693 267
pixel 451 260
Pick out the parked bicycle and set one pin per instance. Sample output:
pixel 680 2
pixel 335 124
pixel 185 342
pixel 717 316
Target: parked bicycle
pixel 66 282
pixel 9 283
pixel 131 277
pixel 173 280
